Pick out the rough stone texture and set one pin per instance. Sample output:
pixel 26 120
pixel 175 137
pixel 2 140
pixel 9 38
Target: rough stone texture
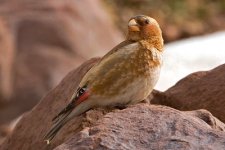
pixel 200 90
pixel 147 127
pixel 41 41
pixel 140 126
pixel 6 129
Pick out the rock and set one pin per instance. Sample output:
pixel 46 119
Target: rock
pixel 146 126
pixel 200 90
pixel 140 126
pixel 41 42
pixel 7 129
pixel 4 131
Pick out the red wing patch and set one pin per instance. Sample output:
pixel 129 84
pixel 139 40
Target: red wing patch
pixel 81 95
pixel 82 98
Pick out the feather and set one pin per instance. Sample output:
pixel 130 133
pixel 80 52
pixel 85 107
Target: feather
pixel 60 119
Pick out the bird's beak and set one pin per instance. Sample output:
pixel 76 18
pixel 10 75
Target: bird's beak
pixel 133 25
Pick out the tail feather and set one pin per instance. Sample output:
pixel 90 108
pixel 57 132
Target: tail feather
pixel 56 127
pixel 63 112
pixel 59 120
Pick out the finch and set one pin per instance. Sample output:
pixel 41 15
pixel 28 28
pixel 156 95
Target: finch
pixel 125 75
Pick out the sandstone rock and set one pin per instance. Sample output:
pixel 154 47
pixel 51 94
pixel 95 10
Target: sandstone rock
pixel 140 126
pixel 4 131
pixel 147 127
pixel 200 90
pixel 41 41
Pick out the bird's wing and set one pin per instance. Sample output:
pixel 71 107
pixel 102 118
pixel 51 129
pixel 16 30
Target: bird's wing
pixel 97 69
pixel 116 48
pixel 79 96
pixel 59 120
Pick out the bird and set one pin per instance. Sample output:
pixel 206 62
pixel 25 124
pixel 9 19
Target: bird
pixel 124 76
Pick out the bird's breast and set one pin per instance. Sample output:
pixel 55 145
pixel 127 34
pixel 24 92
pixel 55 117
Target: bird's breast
pixel 146 60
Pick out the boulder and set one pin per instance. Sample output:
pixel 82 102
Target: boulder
pixel 200 90
pixel 140 126
pixel 145 127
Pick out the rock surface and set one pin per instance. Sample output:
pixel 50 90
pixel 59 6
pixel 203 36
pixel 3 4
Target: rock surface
pixel 41 41
pixel 140 126
pixel 147 127
pixel 200 90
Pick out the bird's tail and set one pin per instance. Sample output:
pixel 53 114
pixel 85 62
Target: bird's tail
pixel 56 127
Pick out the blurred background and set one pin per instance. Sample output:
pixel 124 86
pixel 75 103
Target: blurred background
pixel 41 41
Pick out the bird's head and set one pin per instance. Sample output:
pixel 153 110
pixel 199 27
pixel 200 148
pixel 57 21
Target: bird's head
pixel 143 27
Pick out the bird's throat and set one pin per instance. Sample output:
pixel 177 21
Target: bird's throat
pixel 154 41
pixel 146 59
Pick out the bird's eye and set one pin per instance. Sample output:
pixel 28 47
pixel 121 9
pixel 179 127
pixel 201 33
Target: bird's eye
pixel 147 21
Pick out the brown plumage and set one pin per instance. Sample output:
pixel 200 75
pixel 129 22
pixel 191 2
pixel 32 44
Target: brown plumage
pixel 125 75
